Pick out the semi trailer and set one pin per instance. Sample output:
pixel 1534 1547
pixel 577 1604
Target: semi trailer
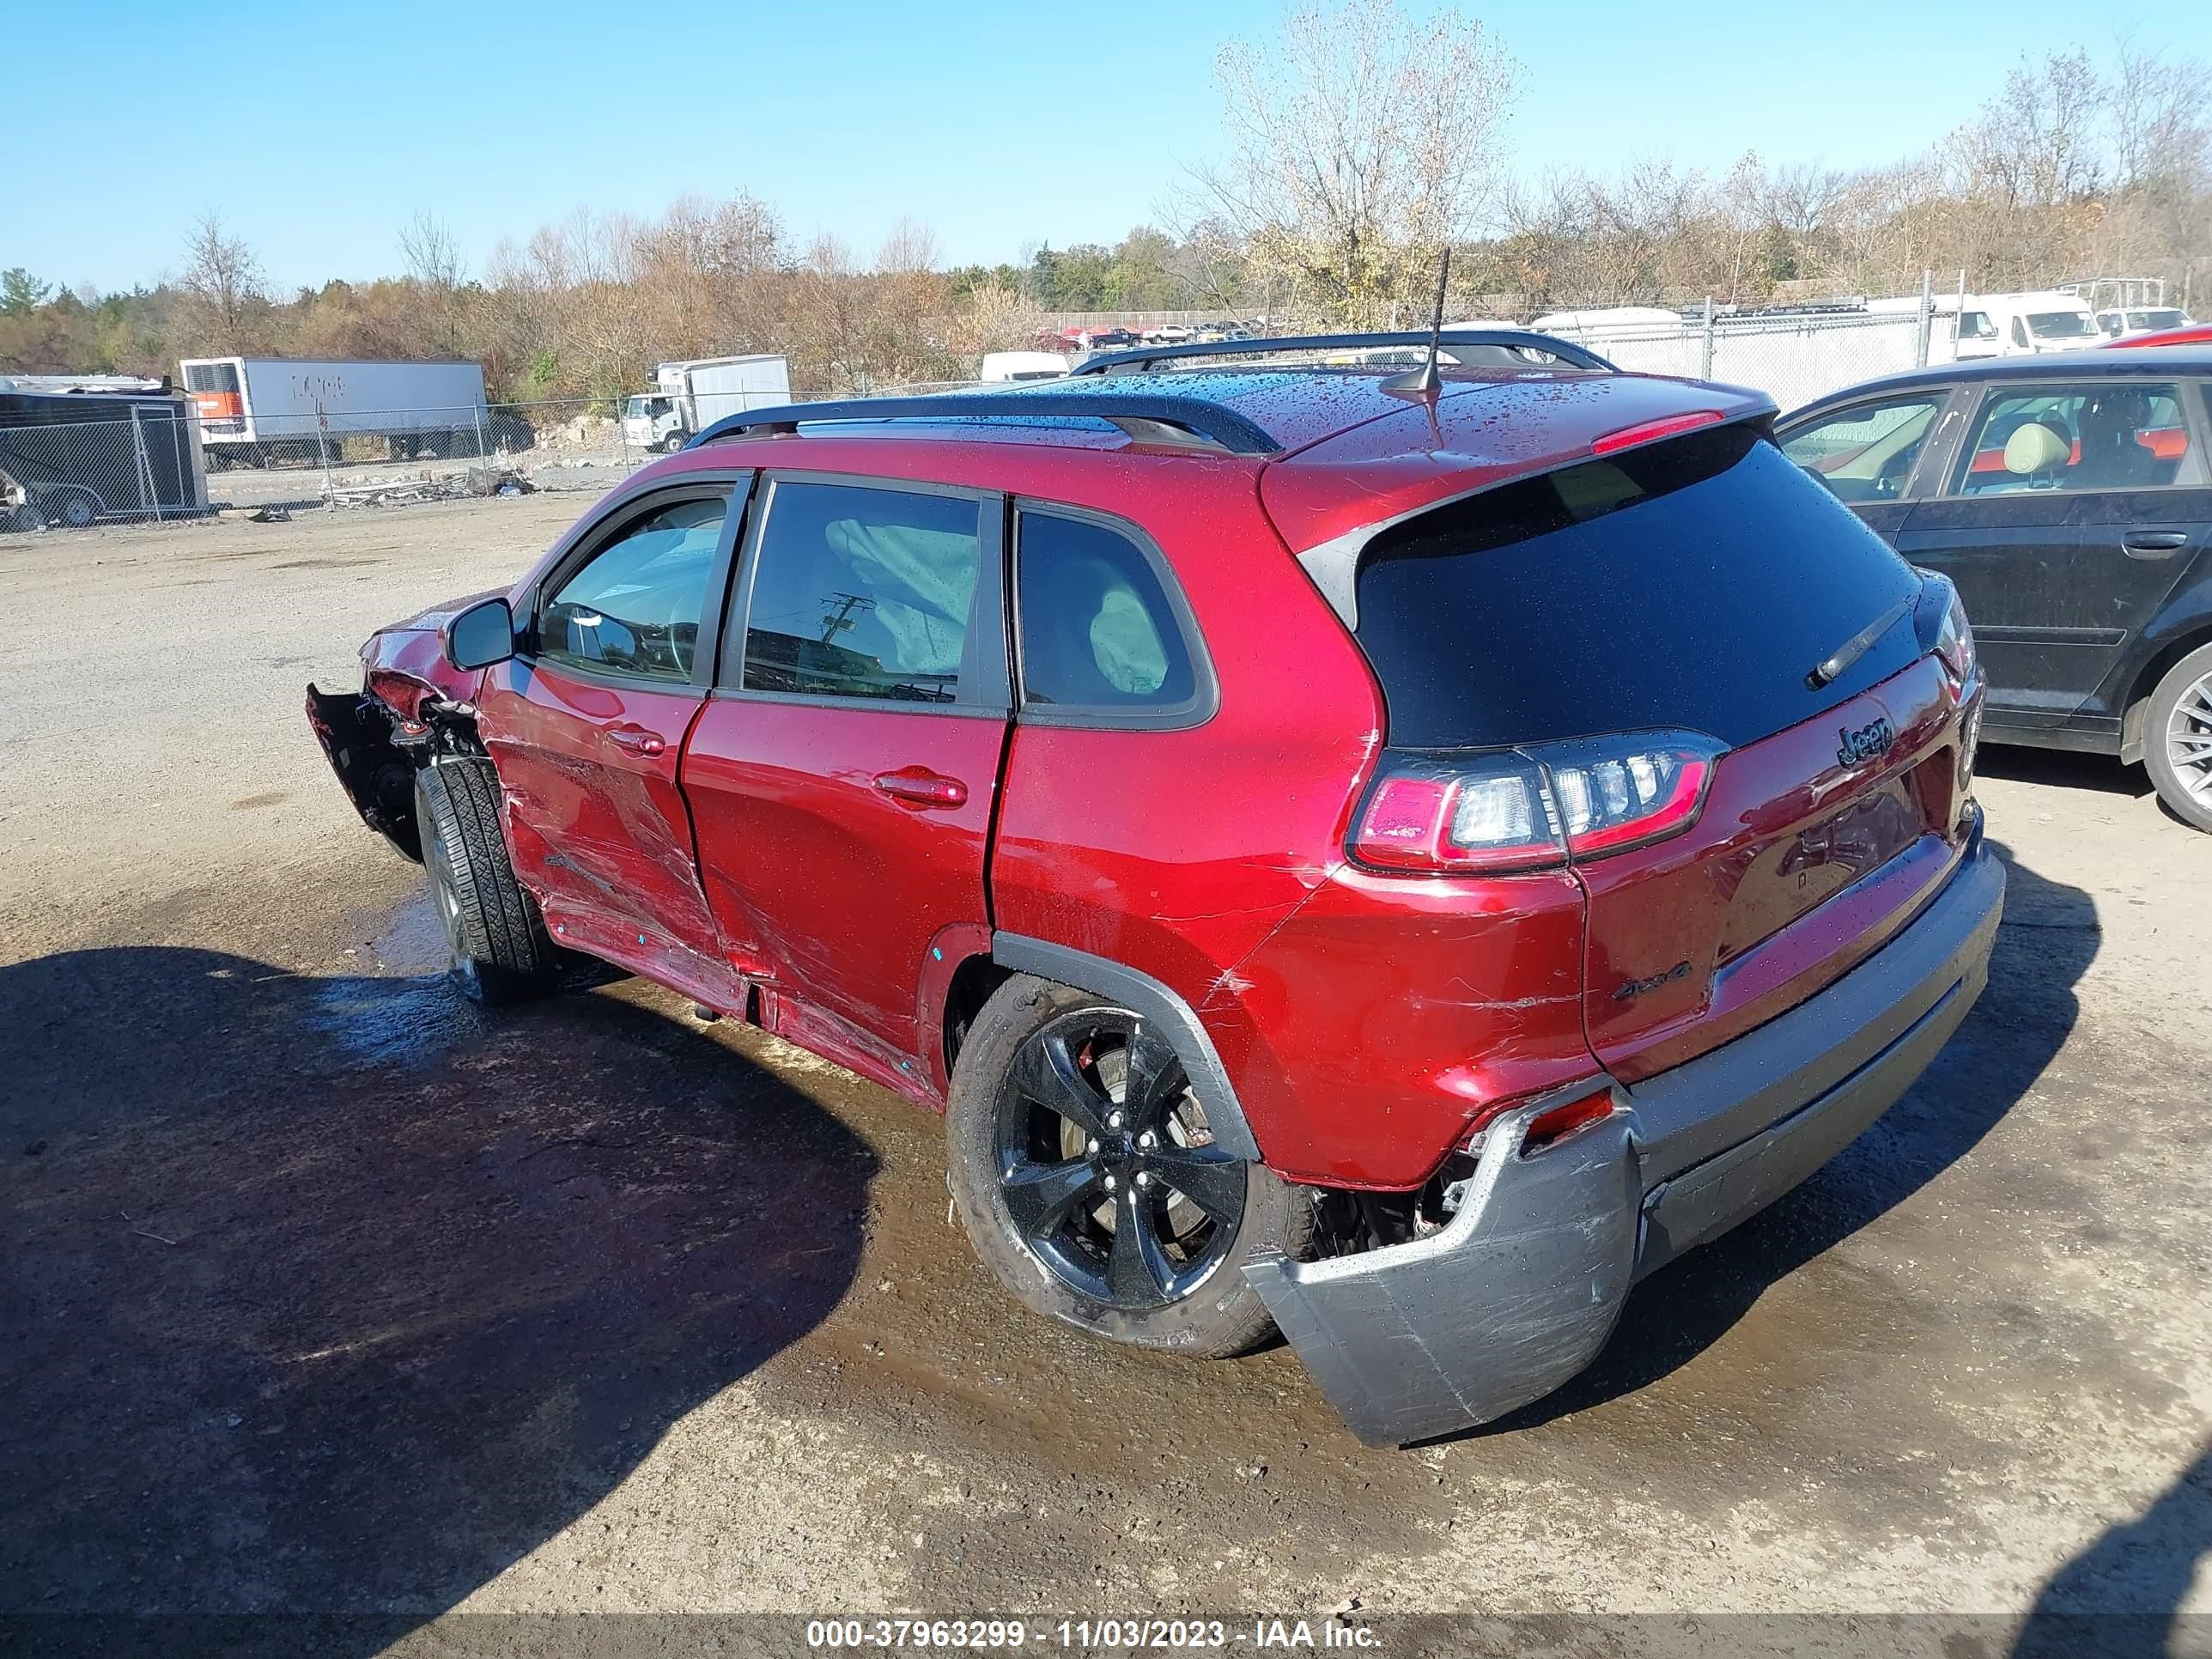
pixel 254 411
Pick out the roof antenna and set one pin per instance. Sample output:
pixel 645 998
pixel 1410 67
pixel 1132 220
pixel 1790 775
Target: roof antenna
pixel 1422 382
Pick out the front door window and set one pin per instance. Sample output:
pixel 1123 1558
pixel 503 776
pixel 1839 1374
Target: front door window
pixel 1866 453
pixel 634 607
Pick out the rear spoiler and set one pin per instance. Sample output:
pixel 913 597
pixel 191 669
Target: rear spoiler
pixel 1334 565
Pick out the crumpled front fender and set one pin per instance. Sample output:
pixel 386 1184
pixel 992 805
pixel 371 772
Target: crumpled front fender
pixel 377 775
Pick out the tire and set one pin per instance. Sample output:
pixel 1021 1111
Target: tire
pixel 27 518
pixel 500 951
pixel 674 441
pixel 76 510
pixel 2177 739
pixel 1032 1182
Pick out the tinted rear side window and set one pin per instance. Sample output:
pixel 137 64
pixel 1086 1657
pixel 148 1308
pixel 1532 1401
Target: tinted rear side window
pixel 1694 584
pixel 1097 633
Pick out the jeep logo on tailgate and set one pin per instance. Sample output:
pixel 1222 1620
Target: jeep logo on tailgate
pixel 1869 740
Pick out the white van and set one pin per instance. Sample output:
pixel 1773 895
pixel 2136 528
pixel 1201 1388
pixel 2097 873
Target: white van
pixel 1000 366
pixel 2021 324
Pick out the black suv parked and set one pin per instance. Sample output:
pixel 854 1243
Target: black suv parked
pixel 2067 497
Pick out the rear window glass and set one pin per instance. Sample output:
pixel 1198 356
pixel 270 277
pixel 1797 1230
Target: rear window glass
pixel 1692 584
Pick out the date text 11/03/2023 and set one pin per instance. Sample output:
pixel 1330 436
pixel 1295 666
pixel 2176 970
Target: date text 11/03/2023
pixel 1088 1635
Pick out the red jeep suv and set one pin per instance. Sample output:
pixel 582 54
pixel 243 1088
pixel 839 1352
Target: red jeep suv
pixel 1391 856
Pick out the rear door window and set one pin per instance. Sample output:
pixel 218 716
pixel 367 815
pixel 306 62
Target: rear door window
pixel 2116 433
pixel 1692 583
pixel 867 592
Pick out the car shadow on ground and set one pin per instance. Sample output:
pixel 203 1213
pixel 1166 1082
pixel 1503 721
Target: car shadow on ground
pixel 2062 769
pixel 2049 937
pixel 332 1297
pixel 2120 1598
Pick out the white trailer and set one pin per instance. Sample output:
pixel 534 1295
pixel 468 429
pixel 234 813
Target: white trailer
pixel 688 397
pixel 253 410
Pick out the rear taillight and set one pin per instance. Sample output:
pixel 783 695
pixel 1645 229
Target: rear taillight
pixel 1941 623
pixel 1954 640
pixel 1496 810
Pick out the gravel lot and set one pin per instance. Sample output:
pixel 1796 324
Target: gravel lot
pixel 320 1292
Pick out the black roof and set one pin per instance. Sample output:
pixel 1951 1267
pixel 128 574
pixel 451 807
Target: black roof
pixel 2091 363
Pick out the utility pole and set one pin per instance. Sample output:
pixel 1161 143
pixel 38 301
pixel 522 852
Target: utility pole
pixel 847 605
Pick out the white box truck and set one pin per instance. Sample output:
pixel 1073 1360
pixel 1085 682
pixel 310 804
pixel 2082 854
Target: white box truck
pixel 253 411
pixel 688 397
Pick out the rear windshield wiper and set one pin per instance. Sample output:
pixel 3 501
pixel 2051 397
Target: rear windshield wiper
pixel 1831 669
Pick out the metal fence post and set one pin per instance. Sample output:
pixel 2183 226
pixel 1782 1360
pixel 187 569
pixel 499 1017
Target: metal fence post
pixel 1705 372
pixel 483 454
pixel 1927 317
pixel 148 495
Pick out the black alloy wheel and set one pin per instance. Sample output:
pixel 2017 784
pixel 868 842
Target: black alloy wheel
pixel 1107 1168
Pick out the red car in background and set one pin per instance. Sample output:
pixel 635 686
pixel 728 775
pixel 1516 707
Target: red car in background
pixel 1390 856
pixel 2195 334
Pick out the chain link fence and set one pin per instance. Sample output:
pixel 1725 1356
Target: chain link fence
pixel 1792 357
pixel 164 462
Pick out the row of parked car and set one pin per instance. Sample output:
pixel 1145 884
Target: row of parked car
pixel 1388 851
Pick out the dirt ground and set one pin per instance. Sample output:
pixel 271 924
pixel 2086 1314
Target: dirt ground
pixel 321 1293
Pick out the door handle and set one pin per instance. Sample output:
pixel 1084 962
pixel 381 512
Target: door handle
pixel 2154 544
pixel 637 740
pixel 917 786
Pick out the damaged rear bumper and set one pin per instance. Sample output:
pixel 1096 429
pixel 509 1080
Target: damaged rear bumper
pixel 1521 1288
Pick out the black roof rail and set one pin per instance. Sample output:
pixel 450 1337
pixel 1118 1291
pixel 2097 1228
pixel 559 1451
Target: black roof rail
pixel 1149 417
pixel 1142 357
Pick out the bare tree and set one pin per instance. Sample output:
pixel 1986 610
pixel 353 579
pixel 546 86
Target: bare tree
pixel 224 282
pixel 433 258
pixel 912 246
pixel 996 317
pixel 2035 143
pixel 434 265
pixel 2162 155
pixel 1363 141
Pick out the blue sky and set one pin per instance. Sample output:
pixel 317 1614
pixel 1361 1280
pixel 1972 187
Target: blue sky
pixel 318 130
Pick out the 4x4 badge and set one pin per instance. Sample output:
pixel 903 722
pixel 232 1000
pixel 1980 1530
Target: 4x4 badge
pixel 1872 739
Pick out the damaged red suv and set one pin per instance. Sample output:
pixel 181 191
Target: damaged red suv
pixel 1392 858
